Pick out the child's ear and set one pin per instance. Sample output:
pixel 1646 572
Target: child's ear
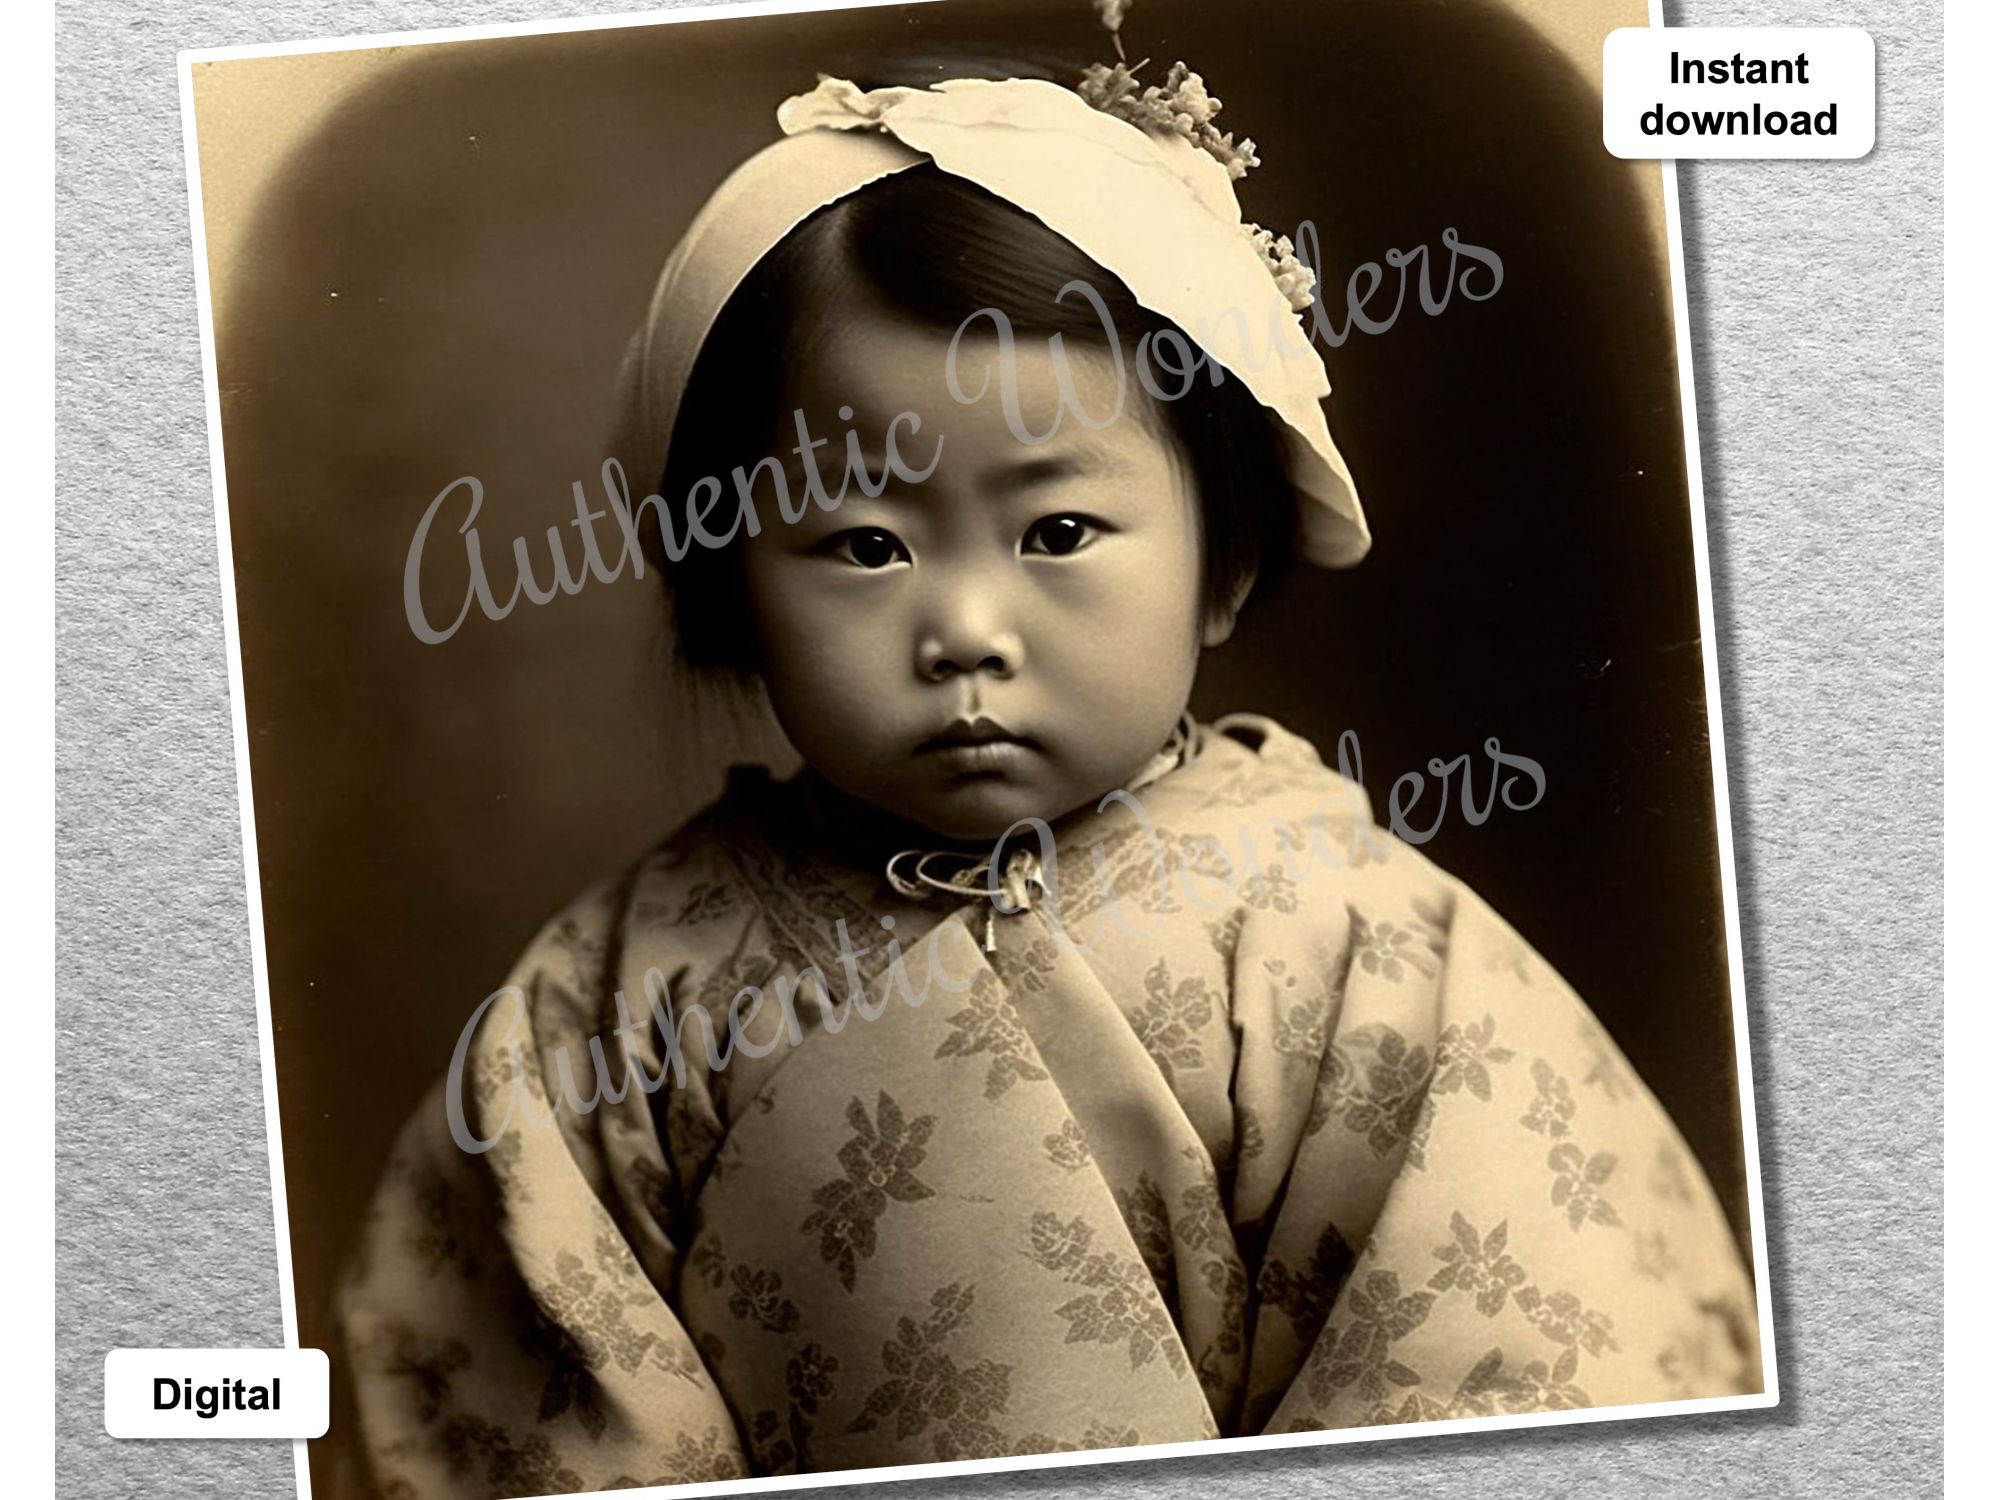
pixel 1221 621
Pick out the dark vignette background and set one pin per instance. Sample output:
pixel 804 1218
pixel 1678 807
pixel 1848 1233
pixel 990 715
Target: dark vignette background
pixel 443 283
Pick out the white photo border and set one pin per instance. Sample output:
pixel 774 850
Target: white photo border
pixel 1725 847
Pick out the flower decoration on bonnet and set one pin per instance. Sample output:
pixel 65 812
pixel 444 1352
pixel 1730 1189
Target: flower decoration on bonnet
pixel 1184 107
pixel 1137 176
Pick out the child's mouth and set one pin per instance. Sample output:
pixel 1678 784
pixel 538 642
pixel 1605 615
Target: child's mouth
pixel 976 746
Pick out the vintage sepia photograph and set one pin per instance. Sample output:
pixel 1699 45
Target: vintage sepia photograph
pixel 974 734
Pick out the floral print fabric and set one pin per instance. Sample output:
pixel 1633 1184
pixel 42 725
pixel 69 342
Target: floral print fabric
pixel 1256 1122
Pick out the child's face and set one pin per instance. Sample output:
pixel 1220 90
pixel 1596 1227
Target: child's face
pixel 1053 590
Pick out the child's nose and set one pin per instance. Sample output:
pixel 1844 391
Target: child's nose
pixel 968 637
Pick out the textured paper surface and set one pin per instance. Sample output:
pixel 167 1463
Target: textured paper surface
pixel 1816 302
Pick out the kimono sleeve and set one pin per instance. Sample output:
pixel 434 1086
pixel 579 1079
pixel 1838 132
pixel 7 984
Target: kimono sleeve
pixel 505 1326
pixel 1521 1227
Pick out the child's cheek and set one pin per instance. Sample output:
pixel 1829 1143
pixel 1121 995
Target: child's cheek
pixel 1154 578
pixel 824 629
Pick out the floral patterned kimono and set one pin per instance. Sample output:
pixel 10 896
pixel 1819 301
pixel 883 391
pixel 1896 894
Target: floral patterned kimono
pixel 1247 1120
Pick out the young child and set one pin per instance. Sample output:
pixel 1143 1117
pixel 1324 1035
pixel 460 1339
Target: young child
pixel 1038 1070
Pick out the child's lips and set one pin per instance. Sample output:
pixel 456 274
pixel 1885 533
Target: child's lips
pixel 973 731
pixel 980 757
pixel 974 746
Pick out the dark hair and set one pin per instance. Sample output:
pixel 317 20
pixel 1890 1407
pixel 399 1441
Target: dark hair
pixel 936 248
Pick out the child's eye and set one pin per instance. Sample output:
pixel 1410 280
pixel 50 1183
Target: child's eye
pixel 1059 536
pixel 866 547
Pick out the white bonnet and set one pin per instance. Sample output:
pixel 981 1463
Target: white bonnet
pixel 1150 207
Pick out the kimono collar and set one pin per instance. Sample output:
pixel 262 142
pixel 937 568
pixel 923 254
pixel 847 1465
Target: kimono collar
pixel 1010 876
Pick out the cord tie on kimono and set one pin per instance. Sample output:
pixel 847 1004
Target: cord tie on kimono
pixel 920 874
pixel 1016 874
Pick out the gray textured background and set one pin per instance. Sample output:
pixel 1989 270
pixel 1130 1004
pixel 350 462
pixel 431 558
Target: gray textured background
pixel 1816 294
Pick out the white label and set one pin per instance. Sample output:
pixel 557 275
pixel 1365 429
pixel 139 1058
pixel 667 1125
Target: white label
pixel 1739 91
pixel 215 1393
